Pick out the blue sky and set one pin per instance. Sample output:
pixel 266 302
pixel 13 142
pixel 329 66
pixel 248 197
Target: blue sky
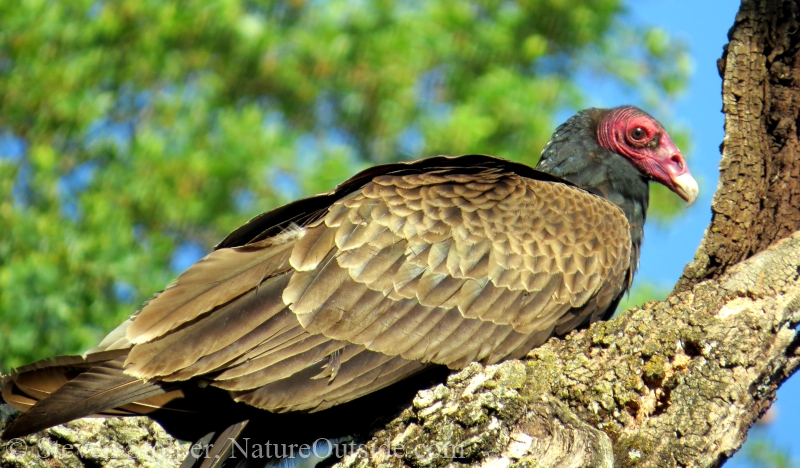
pixel 704 26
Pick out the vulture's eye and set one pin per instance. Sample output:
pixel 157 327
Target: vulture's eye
pixel 638 134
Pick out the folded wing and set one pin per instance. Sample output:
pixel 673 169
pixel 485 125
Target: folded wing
pixel 415 267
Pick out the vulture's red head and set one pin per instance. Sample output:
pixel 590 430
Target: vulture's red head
pixel 615 153
pixel 632 133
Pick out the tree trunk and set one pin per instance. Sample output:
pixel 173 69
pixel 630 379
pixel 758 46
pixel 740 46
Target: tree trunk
pixel 757 202
pixel 676 383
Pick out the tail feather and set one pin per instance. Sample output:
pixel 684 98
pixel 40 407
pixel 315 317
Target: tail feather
pixel 155 403
pixel 98 388
pixel 29 384
pixel 69 362
pixel 222 446
pixel 196 450
pixel 19 402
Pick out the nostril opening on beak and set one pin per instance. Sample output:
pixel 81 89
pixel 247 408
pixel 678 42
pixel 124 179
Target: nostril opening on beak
pixel 679 161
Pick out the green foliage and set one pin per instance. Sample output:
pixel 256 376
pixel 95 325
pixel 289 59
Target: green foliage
pixel 642 292
pixel 150 124
pixel 760 452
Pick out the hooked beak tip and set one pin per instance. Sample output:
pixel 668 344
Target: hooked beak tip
pixel 686 187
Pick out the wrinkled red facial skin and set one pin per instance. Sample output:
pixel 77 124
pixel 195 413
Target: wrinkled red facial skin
pixel 653 153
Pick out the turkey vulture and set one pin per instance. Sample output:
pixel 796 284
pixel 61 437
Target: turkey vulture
pixel 407 267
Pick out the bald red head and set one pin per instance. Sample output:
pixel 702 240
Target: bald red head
pixel 633 133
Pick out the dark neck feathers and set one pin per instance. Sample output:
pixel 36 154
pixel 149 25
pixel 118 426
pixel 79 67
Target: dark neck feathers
pixel 574 154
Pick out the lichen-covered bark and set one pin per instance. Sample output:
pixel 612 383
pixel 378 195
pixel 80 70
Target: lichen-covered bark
pixel 757 202
pixel 489 417
pixel 675 383
pixel 93 442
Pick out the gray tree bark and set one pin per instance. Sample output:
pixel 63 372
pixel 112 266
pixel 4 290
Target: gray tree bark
pixel 675 383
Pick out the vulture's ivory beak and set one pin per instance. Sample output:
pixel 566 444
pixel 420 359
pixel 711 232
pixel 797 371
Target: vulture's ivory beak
pixel 686 187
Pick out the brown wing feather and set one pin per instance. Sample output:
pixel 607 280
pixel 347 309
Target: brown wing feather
pixel 226 326
pixel 94 391
pixel 217 279
pixel 361 372
pixel 535 279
